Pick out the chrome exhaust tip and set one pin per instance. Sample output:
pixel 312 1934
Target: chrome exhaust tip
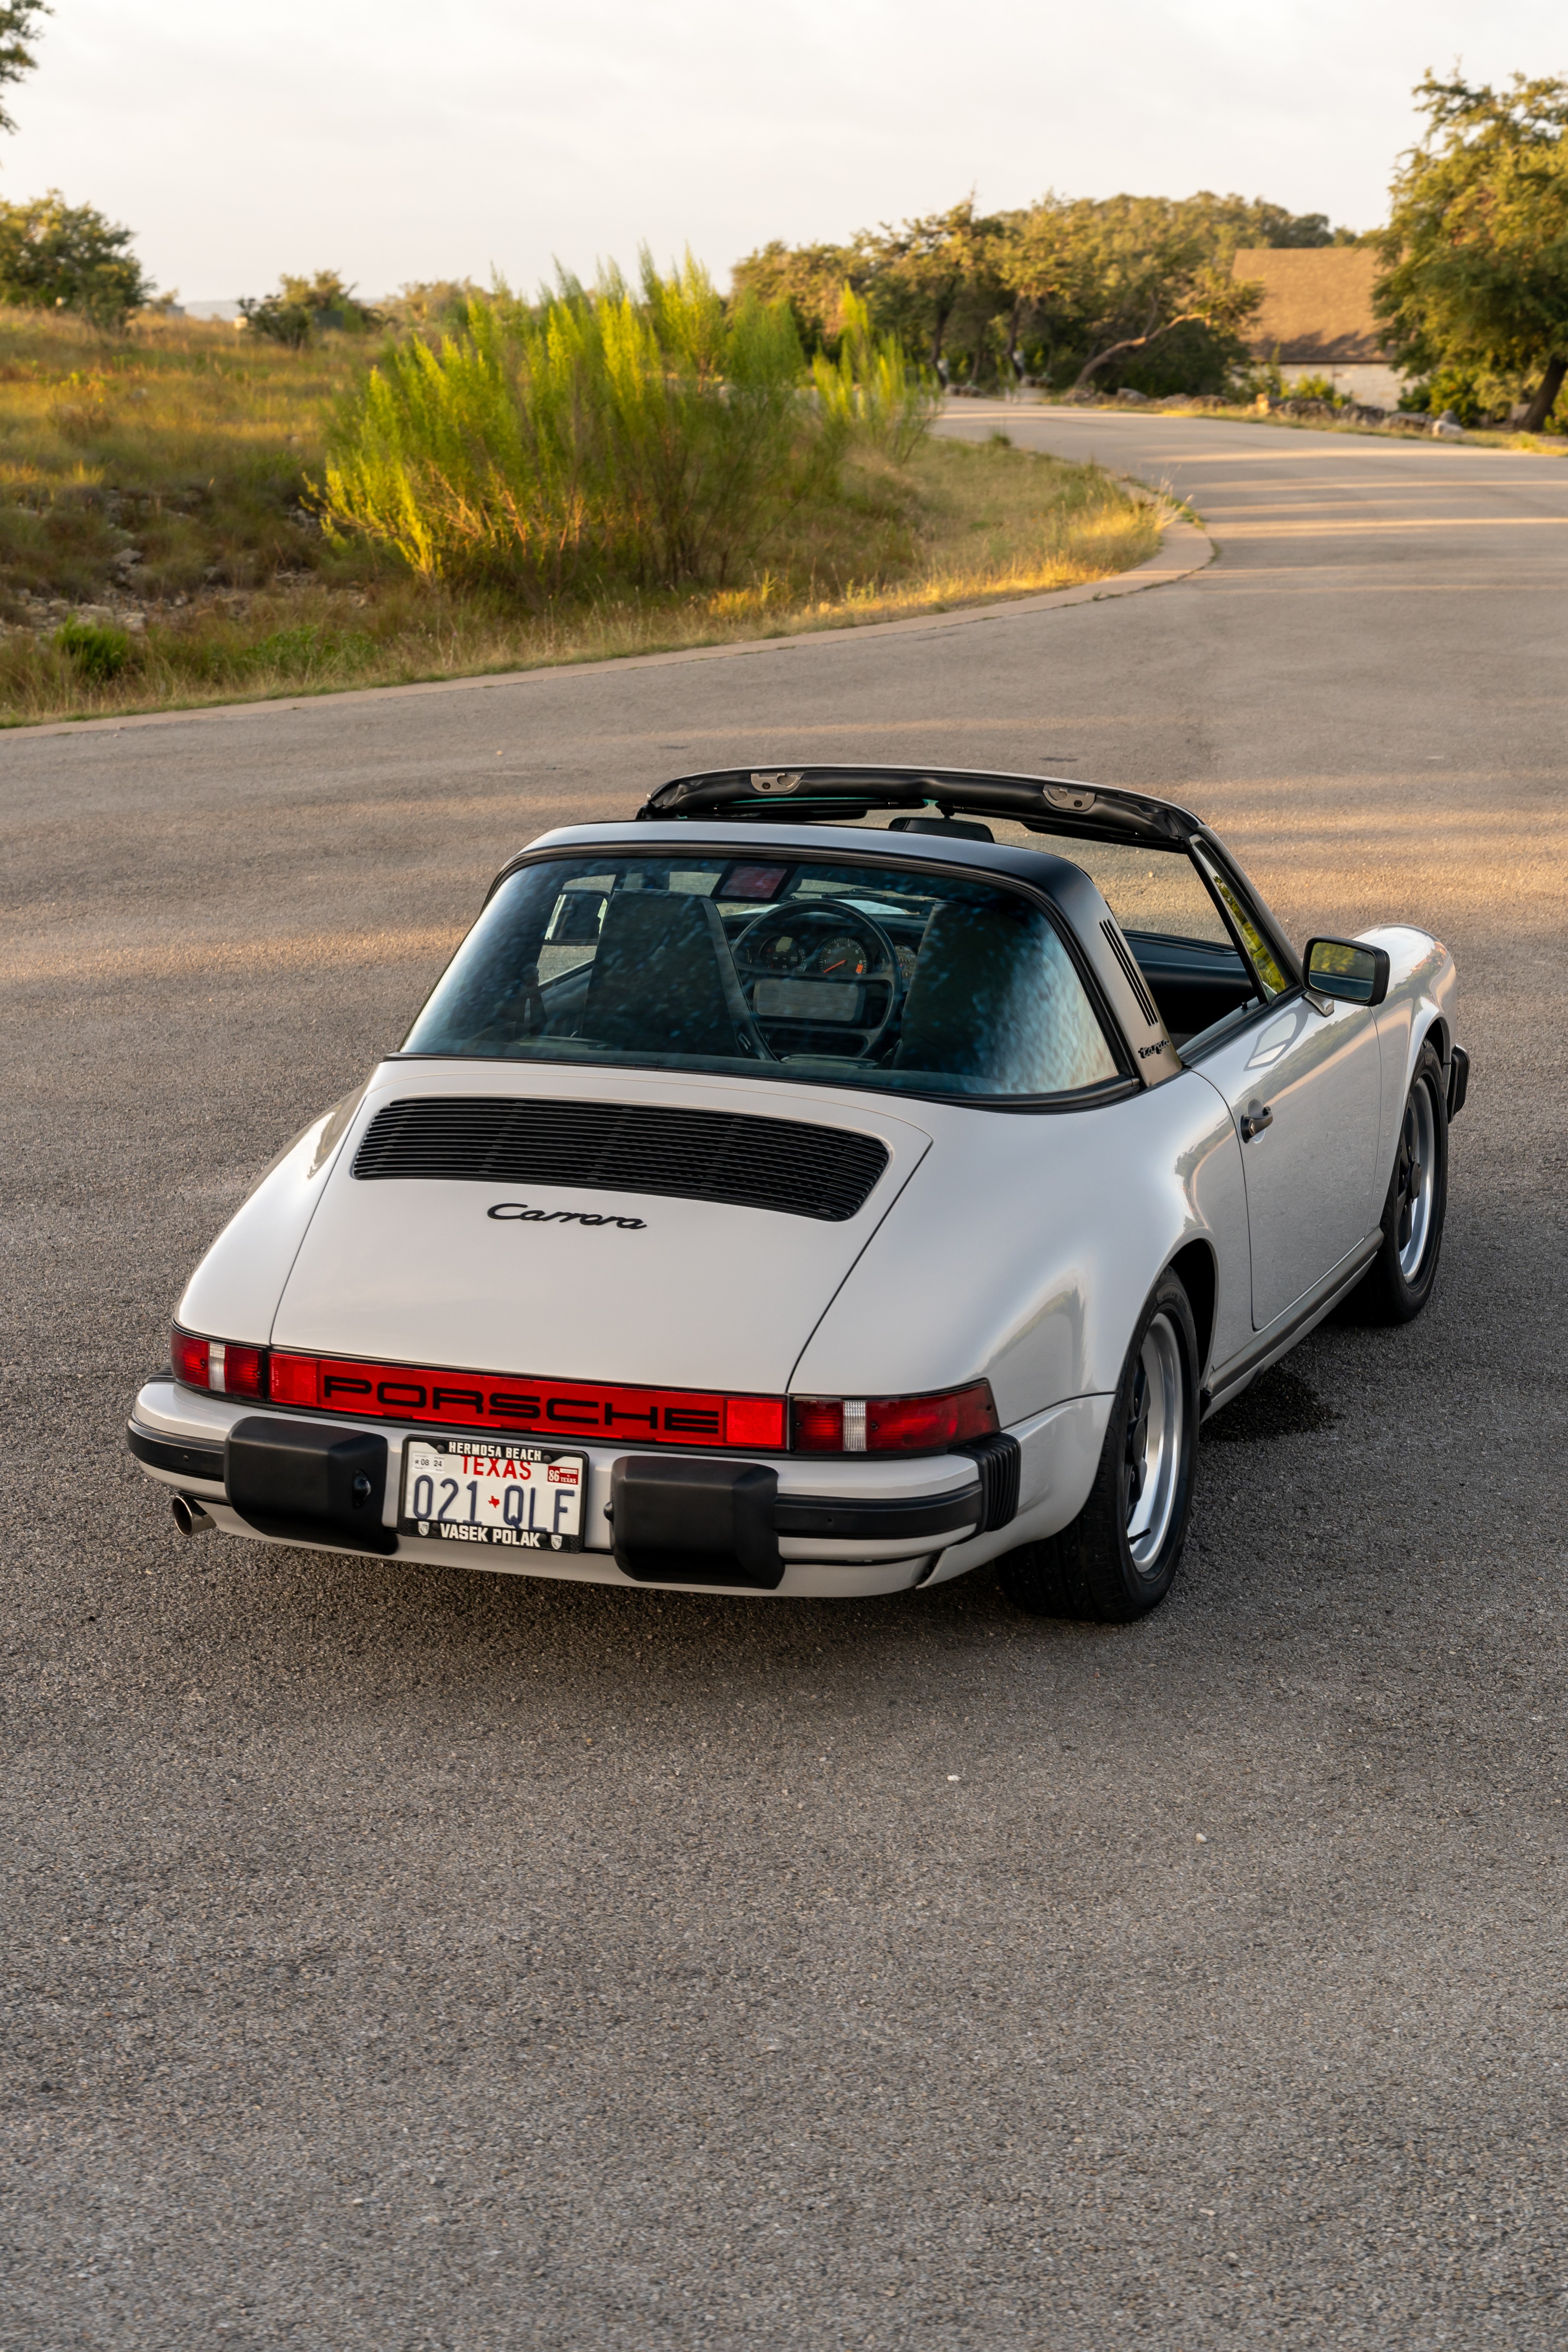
pixel 190 1517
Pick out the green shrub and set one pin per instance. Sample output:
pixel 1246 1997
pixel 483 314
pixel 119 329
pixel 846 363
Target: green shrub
pixel 1315 387
pixel 1463 390
pixel 872 391
pixel 95 651
pixel 303 308
pixel 599 437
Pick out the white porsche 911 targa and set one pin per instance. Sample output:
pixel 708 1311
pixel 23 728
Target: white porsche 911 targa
pixel 828 1182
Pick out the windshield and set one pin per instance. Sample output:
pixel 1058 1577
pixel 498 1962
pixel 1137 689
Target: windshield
pixel 850 975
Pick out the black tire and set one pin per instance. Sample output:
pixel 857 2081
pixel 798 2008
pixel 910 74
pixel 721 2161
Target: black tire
pixel 1104 1567
pixel 1400 1279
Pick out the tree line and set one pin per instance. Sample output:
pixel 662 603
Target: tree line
pixel 1068 292
pixel 1136 291
pixel 1471 296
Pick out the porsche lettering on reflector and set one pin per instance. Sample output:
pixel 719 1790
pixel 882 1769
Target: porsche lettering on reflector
pixel 514 1498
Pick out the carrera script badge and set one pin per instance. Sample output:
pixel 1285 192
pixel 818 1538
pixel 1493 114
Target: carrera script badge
pixel 517 1212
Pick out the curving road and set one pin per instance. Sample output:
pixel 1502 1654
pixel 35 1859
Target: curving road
pixel 408 1958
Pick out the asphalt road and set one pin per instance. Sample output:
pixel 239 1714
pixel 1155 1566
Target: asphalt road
pixel 396 1957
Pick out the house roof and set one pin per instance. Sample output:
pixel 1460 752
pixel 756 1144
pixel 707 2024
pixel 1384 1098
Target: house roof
pixel 1317 302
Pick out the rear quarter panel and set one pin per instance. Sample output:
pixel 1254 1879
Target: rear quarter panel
pixel 234 1292
pixel 1024 1247
pixel 1422 1002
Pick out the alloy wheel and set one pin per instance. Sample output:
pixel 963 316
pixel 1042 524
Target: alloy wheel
pixel 1156 1433
pixel 1415 1179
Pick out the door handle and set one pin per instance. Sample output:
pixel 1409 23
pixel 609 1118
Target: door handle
pixel 1254 1120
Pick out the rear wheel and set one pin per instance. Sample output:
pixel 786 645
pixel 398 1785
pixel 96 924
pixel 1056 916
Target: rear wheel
pixel 1119 1554
pixel 1399 1281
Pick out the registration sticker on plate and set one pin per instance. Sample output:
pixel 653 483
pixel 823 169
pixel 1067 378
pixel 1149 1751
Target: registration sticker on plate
pixel 480 1490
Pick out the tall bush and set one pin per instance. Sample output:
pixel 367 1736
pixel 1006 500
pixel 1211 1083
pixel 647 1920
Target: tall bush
pixel 871 389
pixel 653 436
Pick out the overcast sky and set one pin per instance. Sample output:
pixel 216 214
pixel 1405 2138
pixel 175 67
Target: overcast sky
pixel 395 142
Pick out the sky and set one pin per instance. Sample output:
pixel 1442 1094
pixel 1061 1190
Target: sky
pixel 397 142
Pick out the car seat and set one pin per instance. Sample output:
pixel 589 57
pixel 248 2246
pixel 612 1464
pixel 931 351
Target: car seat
pixel 663 981
pixel 958 1012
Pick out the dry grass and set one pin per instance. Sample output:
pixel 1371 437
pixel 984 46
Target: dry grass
pixel 152 485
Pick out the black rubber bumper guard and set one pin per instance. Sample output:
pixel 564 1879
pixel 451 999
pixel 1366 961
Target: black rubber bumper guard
pixel 691 1521
pixel 674 1519
pixel 1459 1080
pixel 302 1481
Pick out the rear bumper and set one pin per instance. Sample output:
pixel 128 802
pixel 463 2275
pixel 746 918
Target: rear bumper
pixel 794 1525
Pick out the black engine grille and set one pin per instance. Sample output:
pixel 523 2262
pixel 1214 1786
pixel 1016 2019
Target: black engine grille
pixel 691 1155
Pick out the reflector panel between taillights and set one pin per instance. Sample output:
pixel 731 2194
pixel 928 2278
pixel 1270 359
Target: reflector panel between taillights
pixel 495 1401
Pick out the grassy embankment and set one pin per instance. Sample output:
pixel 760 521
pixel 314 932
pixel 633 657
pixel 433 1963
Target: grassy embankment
pixel 153 490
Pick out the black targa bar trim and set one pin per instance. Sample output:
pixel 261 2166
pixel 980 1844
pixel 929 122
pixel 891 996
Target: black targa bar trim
pixel 800 793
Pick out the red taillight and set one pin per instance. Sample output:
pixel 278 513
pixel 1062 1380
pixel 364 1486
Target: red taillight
pixel 914 1424
pixel 296 1380
pixel 755 1420
pixel 245 1372
pixel 924 1424
pixel 560 1412
pixel 221 1366
pixel 818 1425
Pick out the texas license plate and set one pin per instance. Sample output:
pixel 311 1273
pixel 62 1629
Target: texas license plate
pixel 478 1491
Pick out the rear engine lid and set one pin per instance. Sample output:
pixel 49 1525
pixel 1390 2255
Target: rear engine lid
pixel 592 1225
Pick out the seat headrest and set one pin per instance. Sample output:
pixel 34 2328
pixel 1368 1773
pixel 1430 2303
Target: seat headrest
pixel 663 979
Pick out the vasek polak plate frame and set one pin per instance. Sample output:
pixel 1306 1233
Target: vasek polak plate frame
pixel 501 1538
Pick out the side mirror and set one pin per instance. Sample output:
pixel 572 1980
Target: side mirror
pixel 1343 968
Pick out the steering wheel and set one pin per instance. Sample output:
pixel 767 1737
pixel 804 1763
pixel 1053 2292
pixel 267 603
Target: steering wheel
pixel 822 945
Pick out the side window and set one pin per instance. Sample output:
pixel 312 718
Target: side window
pixel 1259 954
pixel 572 932
pixel 1154 893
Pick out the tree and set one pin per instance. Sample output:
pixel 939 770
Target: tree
pixel 60 257
pixel 920 272
pixel 18 26
pixel 1477 244
pixel 810 278
pixel 1153 268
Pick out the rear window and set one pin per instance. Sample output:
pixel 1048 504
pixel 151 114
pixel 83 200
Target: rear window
pixel 852 975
